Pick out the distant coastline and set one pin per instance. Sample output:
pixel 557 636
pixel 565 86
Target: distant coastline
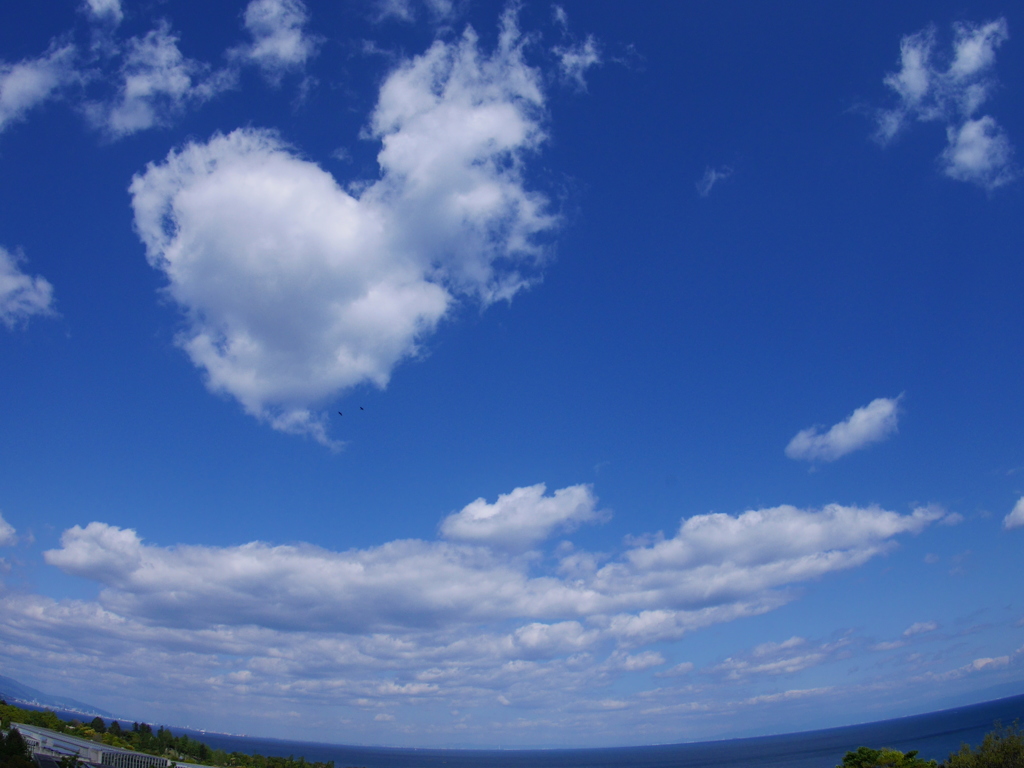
pixel 935 735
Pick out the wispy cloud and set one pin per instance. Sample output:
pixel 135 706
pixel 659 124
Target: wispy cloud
pixel 8 536
pixel 21 295
pixel 575 59
pixel 316 289
pixel 952 93
pixel 711 177
pixel 1016 517
pixel 869 424
pixel 158 83
pixel 31 82
pixel 408 10
pixel 280 39
pixel 919 628
pixel 105 10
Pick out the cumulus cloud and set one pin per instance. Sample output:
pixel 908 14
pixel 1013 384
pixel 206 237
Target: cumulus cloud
pixel 522 518
pixel 21 295
pixel 158 83
pixel 1016 517
pixel 281 42
pixel 105 10
pixel 952 92
pixel 32 81
pixel 869 424
pixel 295 289
pixel 711 177
pixel 8 536
pixel 717 568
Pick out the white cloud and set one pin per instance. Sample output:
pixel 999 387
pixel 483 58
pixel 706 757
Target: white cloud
pixel 106 10
pixel 295 289
pixel 919 628
pixel 711 177
pixel 404 10
pixel 31 82
pixel 868 424
pixel 158 84
pixel 522 518
pixel 978 150
pixel 683 668
pixel 21 295
pixel 8 536
pixel 280 40
pixel 1016 517
pixel 716 568
pixel 637 662
pixel 289 628
pixel 559 16
pixel 575 59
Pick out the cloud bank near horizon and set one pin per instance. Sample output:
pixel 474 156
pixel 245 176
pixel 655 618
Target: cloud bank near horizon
pixel 476 618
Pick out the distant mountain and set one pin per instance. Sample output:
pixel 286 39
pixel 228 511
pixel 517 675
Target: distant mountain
pixel 14 692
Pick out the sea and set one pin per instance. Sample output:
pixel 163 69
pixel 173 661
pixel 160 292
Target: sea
pixel 935 735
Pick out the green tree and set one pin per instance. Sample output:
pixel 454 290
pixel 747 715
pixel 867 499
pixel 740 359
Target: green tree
pixel 14 751
pixel 865 757
pixel 1001 748
pixel 98 725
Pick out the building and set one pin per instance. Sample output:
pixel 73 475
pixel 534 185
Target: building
pixel 44 742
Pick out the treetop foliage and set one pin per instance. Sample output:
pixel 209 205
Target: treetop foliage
pixel 1001 748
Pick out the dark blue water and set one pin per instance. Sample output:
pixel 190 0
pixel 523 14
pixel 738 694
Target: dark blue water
pixel 934 735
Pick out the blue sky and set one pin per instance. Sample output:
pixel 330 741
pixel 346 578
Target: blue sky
pixel 678 352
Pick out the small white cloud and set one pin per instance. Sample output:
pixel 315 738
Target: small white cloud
pixel 522 518
pixel 105 10
pixel 682 668
pixel 574 60
pixel 1016 517
pixel 953 518
pixel 770 649
pixel 869 424
pixel 158 84
pixel 978 150
pixel 711 177
pixel 280 40
pixel 890 645
pixel 21 295
pixel 8 536
pixel 919 628
pixel 638 662
pixel 31 82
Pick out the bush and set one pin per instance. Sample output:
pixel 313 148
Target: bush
pixel 865 757
pixel 1002 748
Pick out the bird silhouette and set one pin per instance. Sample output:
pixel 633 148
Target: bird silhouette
pixel 340 413
pixel 361 408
